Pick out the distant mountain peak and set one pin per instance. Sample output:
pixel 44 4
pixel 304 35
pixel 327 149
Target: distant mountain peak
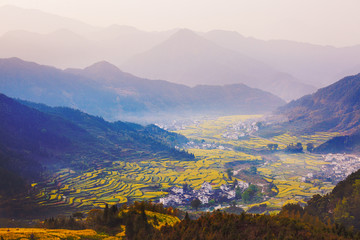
pixel 102 71
pixel 225 33
pixel 34 20
pixel 186 37
pixel 102 66
pixel 186 31
pixel 184 41
pixel 184 34
pixel 124 28
pixel 11 7
pixel 15 61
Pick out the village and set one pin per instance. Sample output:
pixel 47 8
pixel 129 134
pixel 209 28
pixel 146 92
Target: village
pixel 176 125
pixel 339 167
pixel 241 129
pixel 185 194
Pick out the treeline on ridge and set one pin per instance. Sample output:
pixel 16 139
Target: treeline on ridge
pixel 291 223
pixel 332 216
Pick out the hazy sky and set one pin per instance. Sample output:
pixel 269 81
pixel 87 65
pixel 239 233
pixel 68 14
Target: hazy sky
pixel 326 22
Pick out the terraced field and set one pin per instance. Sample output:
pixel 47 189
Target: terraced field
pixel 316 139
pixel 286 171
pixel 287 174
pixel 163 219
pixel 121 182
pixel 124 182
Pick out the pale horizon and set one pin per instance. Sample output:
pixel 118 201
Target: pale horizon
pixel 322 22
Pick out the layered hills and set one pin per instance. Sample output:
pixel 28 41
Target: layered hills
pixel 285 68
pixel 313 64
pixel 103 89
pixel 189 58
pixel 35 142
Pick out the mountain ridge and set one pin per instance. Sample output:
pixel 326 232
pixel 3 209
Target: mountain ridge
pixel 333 108
pixel 188 58
pixel 103 89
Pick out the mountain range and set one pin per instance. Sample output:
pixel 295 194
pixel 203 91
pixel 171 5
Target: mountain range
pixel 191 59
pixel 312 64
pixel 285 68
pixel 102 89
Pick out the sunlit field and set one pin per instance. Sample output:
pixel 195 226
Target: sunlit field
pixel 286 171
pixel 125 182
pixel 53 234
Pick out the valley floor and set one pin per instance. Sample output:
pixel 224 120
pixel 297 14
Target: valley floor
pixel 218 144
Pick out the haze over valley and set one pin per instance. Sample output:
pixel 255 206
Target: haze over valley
pixel 285 68
pixel 189 120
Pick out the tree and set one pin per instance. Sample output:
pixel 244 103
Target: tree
pixel 272 147
pixel 275 147
pixel 235 183
pixel 78 215
pixel 106 213
pixel 195 203
pixel 187 218
pixel 129 228
pixel 238 193
pixel 186 187
pixel 298 148
pixel 250 193
pixel 229 173
pixel 94 216
pixel 310 147
pixel 253 170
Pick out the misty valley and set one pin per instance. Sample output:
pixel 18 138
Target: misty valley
pixel 119 133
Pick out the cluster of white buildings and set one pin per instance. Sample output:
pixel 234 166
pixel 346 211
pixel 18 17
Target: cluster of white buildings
pixel 340 165
pixel 206 145
pixel 240 129
pixel 180 196
pixel 177 125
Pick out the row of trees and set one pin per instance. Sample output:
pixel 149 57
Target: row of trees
pixel 293 222
pixel 286 225
pixel 333 216
pixel 292 148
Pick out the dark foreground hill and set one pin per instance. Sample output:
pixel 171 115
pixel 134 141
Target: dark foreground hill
pixel 342 205
pixel 36 142
pixel 103 90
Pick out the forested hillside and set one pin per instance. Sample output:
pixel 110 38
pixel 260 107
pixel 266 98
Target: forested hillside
pixel 35 142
